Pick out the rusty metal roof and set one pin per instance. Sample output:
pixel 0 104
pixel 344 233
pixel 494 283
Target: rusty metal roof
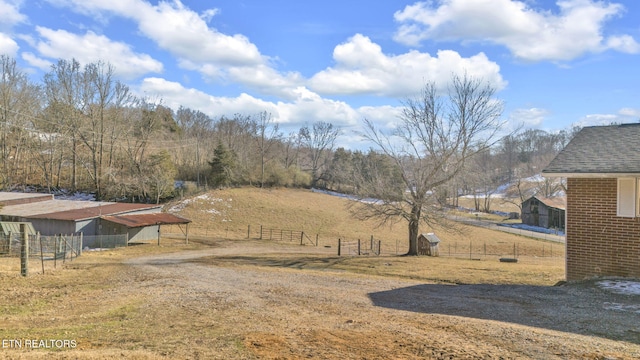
pixel 97 210
pixel 15 198
pixel 141 220
pixel 554 202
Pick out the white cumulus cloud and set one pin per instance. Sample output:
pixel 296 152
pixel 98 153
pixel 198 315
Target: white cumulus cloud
pixel 362 68
pixel 10 15
pixel 530 34
pixel 91 47
pixel 531 117
pixel 7 45
pixel 307 107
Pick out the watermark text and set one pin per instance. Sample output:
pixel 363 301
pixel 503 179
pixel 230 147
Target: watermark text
pixel 38 344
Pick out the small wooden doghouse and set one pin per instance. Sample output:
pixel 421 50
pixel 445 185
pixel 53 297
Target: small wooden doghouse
pixel 428 244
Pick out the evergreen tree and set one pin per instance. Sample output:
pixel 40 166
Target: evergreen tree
pixel 222 166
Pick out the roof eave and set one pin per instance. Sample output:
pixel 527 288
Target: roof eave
pixel 590 175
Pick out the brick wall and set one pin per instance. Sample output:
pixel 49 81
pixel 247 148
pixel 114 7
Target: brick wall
pixel 599 243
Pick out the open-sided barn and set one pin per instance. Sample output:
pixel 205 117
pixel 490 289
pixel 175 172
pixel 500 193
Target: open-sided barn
pixel 49 216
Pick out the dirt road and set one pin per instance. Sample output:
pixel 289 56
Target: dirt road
pixel 287 313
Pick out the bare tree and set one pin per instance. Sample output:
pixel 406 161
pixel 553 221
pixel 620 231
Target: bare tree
pixel 196 127
pixel 431 144
pixel 266 135
pixel 63 85
pixel 319 141
pixel 19 103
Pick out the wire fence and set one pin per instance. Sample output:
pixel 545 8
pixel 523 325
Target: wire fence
pixel 370 245
pixel 105 241
pixel 36 250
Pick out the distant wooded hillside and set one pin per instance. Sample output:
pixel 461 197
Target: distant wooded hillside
pixel 81 129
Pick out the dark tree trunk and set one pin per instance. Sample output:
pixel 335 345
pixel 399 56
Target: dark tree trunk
pixel 414 230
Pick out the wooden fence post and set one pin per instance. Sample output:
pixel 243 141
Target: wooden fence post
pixel 39 239
pixel 339 246
pixel 301 237
pixel 24 251
pixel 249 231
pixel 358 247
pixel 63 243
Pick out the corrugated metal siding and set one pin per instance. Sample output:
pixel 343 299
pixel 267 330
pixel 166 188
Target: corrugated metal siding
pixel 143 233
pixel 14 227
pixel 54 227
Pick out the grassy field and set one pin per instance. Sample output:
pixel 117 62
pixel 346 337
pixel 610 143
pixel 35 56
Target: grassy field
pixel 239 213
pixel 99 301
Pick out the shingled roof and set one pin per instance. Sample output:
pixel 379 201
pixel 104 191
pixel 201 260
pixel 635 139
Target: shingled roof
pixel 599 151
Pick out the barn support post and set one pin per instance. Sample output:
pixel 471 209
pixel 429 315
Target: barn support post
pixel 81 243
pixel 24 251
pixel 186 236
pixel 158 233
pixel 10 238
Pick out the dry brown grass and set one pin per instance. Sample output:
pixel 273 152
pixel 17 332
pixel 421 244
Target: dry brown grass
pixel 83 300
pixel 230 213
pixel 497 204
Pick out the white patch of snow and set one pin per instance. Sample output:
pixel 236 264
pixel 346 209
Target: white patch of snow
pixel 210 204
pixel 625 287
pixel 534 178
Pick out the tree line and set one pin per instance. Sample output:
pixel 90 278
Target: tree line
pixel 81 129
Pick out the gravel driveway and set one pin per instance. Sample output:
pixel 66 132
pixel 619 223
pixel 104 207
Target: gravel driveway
pixel 288 313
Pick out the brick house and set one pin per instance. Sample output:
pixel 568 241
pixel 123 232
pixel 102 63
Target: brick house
pixel 602 167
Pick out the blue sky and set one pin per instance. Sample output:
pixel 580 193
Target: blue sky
pixel 555 63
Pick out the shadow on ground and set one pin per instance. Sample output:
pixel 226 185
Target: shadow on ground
pixel 576 308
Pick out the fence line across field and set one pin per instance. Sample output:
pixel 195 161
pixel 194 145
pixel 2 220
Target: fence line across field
pixel 461 249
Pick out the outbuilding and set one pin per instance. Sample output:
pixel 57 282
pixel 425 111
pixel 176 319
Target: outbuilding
pixel 544 212
pixel 139 222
